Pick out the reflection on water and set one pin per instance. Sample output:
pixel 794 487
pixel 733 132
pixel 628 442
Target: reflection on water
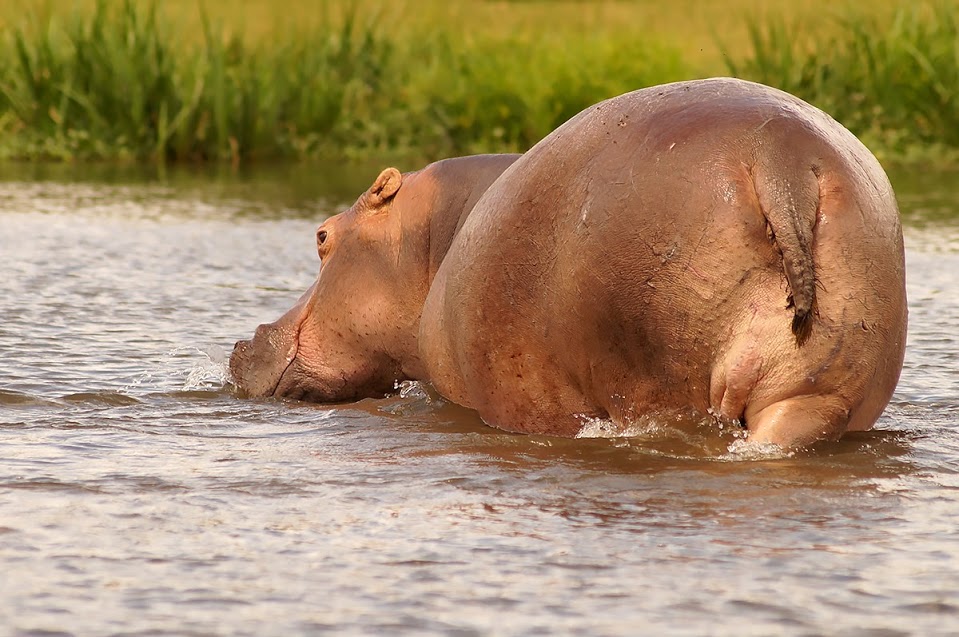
pixel 269 191
pixel 137 495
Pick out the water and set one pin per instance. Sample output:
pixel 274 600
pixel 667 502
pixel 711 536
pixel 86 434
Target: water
pixel 138 496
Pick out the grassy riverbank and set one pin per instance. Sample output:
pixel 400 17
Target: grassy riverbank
pixel 131 80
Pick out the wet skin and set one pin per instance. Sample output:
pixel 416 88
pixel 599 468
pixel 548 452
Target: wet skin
pixel 714 245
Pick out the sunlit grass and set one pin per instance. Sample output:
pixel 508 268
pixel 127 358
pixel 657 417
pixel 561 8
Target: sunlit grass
pixel 187 80
pixel 893 82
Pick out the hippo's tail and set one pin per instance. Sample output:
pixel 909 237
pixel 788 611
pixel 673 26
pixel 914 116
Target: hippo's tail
pixel 789 200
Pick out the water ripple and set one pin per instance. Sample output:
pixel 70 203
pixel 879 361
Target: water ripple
pixel 138 495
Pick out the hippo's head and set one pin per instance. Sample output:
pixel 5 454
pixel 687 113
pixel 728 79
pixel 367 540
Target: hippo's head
pixel 353 333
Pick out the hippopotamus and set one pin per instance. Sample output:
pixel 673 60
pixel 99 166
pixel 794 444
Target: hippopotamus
pixel 713 246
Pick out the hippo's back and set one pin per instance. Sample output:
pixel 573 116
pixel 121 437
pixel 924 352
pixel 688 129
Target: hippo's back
pixel 627 254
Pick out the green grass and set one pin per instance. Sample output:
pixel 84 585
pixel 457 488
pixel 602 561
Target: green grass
pixel 122 83
pixel 895 83
pixel 129 81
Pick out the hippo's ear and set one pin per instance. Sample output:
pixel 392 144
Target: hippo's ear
pixel 385 186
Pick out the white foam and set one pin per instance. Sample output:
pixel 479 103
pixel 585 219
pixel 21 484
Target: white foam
pixel 412 389
pixel 594 427
pixel 211 372
pixel 210 369
pixel 742 449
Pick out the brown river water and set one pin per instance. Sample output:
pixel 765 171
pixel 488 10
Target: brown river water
pixel 139 496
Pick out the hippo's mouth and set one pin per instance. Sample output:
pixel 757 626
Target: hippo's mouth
pixel 259 365
pixel 286 369
pixel 291 358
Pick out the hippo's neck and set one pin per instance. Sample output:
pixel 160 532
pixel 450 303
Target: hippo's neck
pixel 444 226
pixel 457 185
pixel 460 183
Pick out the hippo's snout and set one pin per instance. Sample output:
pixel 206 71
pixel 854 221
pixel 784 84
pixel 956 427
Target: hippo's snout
pixel 241 371
pixel 257 365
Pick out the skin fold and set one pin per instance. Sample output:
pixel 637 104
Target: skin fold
pixel 713 245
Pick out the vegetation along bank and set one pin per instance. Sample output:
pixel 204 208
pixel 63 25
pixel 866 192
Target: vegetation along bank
pixel 176 81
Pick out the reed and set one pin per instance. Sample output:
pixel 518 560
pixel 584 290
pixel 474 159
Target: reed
pixel 123 83
pixel 894 82
pixel 129 81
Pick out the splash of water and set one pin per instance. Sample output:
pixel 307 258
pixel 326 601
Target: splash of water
pixel 212 372
pixel 742 449
pixel 594 427
pixel 208 370
pixel 654 425
pixel 700 436
pixel 412 389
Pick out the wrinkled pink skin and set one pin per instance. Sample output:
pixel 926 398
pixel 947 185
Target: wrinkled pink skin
pixel 353 334
pixel 715 245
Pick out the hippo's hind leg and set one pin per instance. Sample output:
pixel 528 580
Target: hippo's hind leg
pixel 788 421
pixel 799 421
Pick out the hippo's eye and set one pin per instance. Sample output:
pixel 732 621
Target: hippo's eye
pixel 322 237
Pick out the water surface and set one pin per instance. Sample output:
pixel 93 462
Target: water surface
pixel 139 496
